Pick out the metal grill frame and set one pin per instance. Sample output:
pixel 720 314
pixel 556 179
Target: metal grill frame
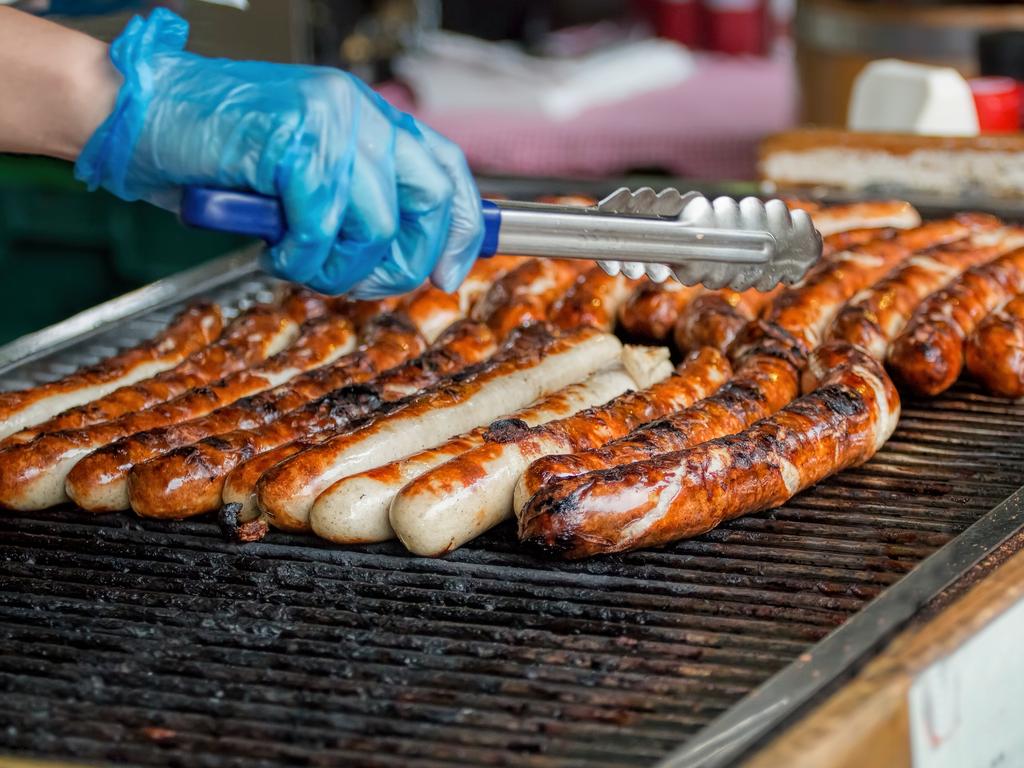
pixel 746 724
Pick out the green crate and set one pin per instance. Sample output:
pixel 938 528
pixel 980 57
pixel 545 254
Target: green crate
pixel 63 249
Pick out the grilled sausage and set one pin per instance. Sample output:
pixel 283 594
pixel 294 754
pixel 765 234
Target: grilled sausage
pixel 842 423
pixel 805 311
pixel 928 355
pixel 355 509
pixel 995 351
pixel 524 295
pixel 32 474
pixel 715 318
pixel 763 383
pixel 768 356
pixel 251 337
pixel 371 492
pixel 457 501
pixel 876 315
pixel 871 215
pixel 594 300
pixel 188 481
pixel 652 310
pixel 193 328
pixel 286 493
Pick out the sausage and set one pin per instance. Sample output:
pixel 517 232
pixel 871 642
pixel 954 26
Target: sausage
pixel 844 241
pixel 763 383
pixel 870 215
pixel 876 315
pixel 484 273
pixel 995 351
pixel 715 318
pixel 928 355
pixel 190 330
pixel 594 300
pixel 188 481
pixel 805 311
pixel 524 295
pixel 457 501
pixel 286 492
pixel 518 299
pixel 768 356
pixel 842 423
pixel 253 336
pixel 32 474
pixel 370 494
pixel 355 509
pixel 652 310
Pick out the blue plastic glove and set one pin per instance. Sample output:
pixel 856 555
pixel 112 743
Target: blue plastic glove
pixel 375 202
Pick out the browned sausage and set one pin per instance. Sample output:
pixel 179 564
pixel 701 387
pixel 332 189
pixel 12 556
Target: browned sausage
pixel 995 351
pixel 188 481
pixel 715 318
pixel 251 337
pixel 768 356
pixel 928 355
pixel 524 295
pixel 32 474
pixel 805 311
pixel 457 501
pixel 652 310
pixel 287 492
pixel 594 299
pixel 875 316
pixel 190 330
pixel 842 423
pixel 762 385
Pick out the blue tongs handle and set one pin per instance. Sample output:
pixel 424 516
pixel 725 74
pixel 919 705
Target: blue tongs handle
pixel 248 213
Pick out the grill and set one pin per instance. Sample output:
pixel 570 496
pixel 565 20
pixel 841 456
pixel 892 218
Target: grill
pixel 135 641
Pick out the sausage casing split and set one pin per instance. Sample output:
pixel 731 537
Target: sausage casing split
pixel 32 475
pixel 928 356
pixel 355 509
pixel 995 351
pixel 459 500
pixel 250 338
pixel 842 423
pixel 191 329
pixel 286 493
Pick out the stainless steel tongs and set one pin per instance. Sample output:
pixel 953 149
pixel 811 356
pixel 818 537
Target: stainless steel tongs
pixel 719 243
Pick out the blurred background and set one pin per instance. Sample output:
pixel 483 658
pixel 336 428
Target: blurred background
pixel 562 96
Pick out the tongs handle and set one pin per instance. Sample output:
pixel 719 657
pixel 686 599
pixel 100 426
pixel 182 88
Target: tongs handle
pixel 255 215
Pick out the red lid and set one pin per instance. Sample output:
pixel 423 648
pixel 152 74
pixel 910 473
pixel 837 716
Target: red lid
pixel 998 101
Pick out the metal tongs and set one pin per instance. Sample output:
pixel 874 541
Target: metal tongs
pixel 719 243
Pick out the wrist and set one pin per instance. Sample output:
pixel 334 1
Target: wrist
pixel 90 90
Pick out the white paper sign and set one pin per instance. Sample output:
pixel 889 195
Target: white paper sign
pixel 967 710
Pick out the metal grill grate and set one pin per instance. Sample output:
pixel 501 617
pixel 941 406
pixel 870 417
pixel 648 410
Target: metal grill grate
pixel 150 643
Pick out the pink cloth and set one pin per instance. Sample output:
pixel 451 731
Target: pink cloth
pixel 706 127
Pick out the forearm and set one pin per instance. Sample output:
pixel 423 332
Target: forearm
pixel 56 86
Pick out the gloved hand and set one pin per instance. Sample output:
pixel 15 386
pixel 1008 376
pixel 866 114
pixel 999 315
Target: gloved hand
pixel 375 202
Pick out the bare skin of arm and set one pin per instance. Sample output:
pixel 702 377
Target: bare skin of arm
pixel 57 86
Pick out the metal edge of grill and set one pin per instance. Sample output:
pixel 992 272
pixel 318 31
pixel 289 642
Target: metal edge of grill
pixel 741 727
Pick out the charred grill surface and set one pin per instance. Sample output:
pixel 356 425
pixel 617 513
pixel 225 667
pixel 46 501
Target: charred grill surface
pixel 139 641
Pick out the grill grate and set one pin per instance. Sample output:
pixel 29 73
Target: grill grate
pixel 137 641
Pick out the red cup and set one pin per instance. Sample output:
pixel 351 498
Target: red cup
pixel 679 20
pixel 736 26
pixel 998 101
